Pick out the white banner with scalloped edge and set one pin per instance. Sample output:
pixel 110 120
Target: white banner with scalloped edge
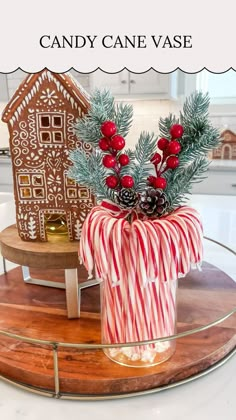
pixel 113 35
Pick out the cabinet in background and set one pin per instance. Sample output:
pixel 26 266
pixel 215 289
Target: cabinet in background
pixel 4 95
pixel 6 179
pixel 150 84
pixel 218 182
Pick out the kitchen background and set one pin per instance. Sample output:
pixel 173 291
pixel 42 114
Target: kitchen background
pixel 153 95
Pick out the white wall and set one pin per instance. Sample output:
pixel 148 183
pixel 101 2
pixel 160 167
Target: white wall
pixel 146 118
pixel 4 135
pixel 14 79
pixel 146 112
pixel 223 116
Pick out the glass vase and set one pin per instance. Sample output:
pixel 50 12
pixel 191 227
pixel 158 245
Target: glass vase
pixel 139 261
pixel 139 312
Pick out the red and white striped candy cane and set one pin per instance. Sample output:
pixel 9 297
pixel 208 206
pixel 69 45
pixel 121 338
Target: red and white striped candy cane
pixel 138 263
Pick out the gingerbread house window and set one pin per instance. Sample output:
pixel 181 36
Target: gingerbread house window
pixel 57 121
pixel 50 128
pixel 70 182
pixel 31 186
pixel 84 193
pixel 50 120
pixel 57 137
pixel 38 193
pixel 25 193
pixel 37 180
pixel 44 121
pixel 24 180
pixel 45 137
pixel 72 193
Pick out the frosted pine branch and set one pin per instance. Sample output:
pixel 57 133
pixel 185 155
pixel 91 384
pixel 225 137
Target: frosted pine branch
pixel 102 109
pixel 143 152
pixel 199 138
pixel 165 125
pixel 87 170
pixel 182 181
pixel 197 104
pixel 123 119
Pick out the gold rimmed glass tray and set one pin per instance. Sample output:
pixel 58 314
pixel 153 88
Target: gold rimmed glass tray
pixel 44 352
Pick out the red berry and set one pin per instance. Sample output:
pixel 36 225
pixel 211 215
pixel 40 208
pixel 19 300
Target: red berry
pixel 127 181
pixel 109 161
pixel 174 147
pixel 172 162
pixel 156 158
pixel 162 143
pixel 108 128
pixel 112 181
pixel 104 143
pixel 160 183
pixel 117 142
pixel 176 131
pixel 124 159
pixel 151 180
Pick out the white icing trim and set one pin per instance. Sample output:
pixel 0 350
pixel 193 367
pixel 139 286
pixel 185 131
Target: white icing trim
pixel 14 100
pixel 48 75
pixel 79 87
pixel 30 77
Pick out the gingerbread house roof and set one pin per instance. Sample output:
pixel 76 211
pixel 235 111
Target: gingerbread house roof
pixel 65 83
pixel 228 136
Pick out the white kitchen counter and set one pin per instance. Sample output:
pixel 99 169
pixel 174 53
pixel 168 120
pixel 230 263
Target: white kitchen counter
pixel 210 397
pixel 6 178
pixel 221 179
pixel 223 165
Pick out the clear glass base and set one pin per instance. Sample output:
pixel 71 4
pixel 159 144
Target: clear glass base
pixel 138 313
pixel 142 356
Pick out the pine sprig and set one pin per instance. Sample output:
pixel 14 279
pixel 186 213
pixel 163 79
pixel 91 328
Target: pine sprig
pixel 182 181
pixel 102 106
pixel 102 109
pixel 143 152
pixel 123 118
pixel 199 138
pixel 206 142
pixel 195 128
pixel 165 125
pixel 88 170
pixel 196 105
pixel 130 153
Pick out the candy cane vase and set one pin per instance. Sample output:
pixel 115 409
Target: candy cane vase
pixel 139 263
pixel 151 315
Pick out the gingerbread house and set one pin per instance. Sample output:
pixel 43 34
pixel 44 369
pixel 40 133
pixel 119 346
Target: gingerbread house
pixel 41 117
pixel 227 148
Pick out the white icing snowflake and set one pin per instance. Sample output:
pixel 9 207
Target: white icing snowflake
pixel 48 97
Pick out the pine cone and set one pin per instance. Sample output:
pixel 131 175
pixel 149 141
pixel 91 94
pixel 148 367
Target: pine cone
pixel 153 202
pixel 127 198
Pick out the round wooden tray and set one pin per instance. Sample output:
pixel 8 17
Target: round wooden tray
pixel 40 313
